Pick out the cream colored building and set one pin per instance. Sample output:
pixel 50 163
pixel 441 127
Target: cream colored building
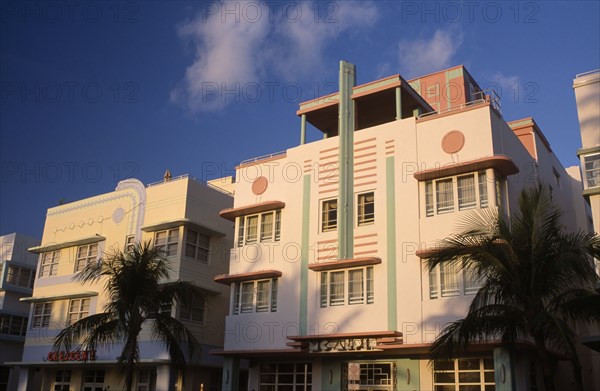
pixel 327 288
pixel 181 216
pixel 17 273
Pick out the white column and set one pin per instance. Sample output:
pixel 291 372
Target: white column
pixel 163 377
pixel 490 176
pixel 23 378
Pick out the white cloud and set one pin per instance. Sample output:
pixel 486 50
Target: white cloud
pixel 423 56
pixel 234 50
pixel 505 82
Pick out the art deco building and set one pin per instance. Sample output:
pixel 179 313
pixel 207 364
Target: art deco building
pixel 328 290
pixel 179 215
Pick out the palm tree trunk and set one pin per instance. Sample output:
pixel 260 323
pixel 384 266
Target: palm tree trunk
pixel 547 364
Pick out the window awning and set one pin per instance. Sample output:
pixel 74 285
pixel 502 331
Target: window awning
pixel 72 243
pixel 228 279
pixel 503 164
pixel 75 295
pixel 345 263
pixel 232 213
pixel 168 224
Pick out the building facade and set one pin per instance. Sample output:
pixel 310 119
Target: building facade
pixel 328 291
pixel 17 273
pixel 179 215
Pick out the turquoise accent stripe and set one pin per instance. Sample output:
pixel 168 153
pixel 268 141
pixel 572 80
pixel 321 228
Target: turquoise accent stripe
pixel 304 256
pixel 390 204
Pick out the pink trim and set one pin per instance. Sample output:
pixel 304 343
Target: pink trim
pixel 260 185
pixel 453 141
pixel 503 164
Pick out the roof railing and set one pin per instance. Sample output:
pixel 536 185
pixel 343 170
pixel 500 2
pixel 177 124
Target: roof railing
pixel 269 156
pixel 480 97
pixel 193 178
pixel 587 73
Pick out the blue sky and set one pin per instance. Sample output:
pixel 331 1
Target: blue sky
pixel 94 92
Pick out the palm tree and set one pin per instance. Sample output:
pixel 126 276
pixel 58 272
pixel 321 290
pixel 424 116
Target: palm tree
pixel 537 281
pixel 135 294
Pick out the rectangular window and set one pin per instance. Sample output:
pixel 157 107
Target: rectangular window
pixel 285 376
pixel 449 279
pixel 167 241
pixel 444 196
pixel 464 375
pixel 129 244
pixel 197 246
pixel 146 380
pixel 466 192
pixel 467 189
pixel 20 276
pixel 355 284
pixel 49 264
pixel 255 296
pixel 194 312
pixel 366 208
pixel 86 254
pixel 41 315
pixel 428 198
pixel 592 170
pixel 13 325
pixel 329 215
pixel 62 380
pixel 433 283
pixel 263 227
pixel 483 193
pixel 472 281
pixel 78 309
pixel 93 380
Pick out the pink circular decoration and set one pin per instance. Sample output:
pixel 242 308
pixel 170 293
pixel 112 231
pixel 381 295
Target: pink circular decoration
pixel 453 141
pixel 260 185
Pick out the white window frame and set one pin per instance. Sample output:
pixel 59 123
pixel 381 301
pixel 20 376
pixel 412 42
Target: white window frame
pixel 85 254
pixel 261 232
pixel 42 314
pixel 443 374
pixel 362 204
pixel 195 312
pixel 201 250
pixel 49 263
pixel 273 377
pixel 78 309
pixel 170 241
pixel 591 168
pixel 13 325
pixel 62 380
pixel 460 198
pixel 129 243
pixel 246 297
pixel 462 282
pixel 330 282
pixel 327 223
pixel 95 384
pixel 146 380
pixel 20 276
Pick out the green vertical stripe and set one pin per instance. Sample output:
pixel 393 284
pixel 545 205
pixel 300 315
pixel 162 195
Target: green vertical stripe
pixel 390 203
pixel 304 256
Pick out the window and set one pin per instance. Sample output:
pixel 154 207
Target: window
pixel 366 208
pixel 194 312
pixel 20 276
pixel 197 246
pixel 285 376
pixel 372 376
pixel 329 215
pixel 167 241
pixel 49 264
pixel 467 190
pixel 146 380
pixel 62 380
pixel 13 325
pixel 78 309
pixel 255 296
pixel 41 315
pixel 592 170
pixel 464 374
pixel 263 227
pixel 93 380
pixel 85 255
pixel 447 280
pixel 355 284
pixel 129 244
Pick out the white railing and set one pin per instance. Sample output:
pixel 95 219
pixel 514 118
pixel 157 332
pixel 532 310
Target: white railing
pixel 480 97
pixel 269 156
